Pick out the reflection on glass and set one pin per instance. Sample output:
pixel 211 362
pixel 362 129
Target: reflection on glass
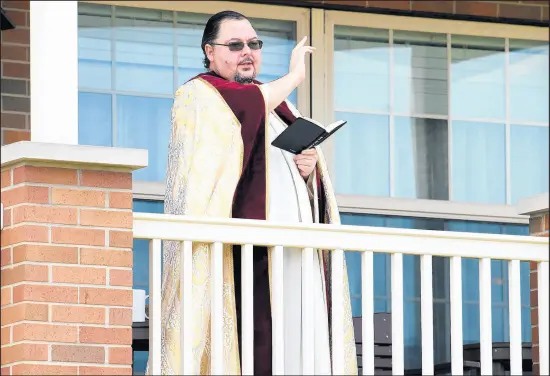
pixel 528 160
pixel 362 155
pixel 94 119
pixel 94 46
pixel 361 69
pixel 144 50
pixel 420 73
pixel 528 75
pixel 478 78
pixel 421 158
pixel 144 123
pixel 478 162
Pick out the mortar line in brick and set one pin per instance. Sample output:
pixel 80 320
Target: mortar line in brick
pixel 64 305
pixel 107 196
pixel 66 186
pixel 49 353
pixel 66 324
pixel 55 363
pixel 98 208
pixel 68 344
pixel 98 247
pixel 14 95
pixel 106 354
pixel 78 216
pixel 60 225
pixel 64 284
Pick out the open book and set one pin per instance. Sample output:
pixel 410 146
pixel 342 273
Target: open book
pixel 305 133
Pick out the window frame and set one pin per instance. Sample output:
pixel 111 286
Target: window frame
pixel 275 12
pixel 323 109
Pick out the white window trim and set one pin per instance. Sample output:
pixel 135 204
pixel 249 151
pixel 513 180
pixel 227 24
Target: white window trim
pixel 154 191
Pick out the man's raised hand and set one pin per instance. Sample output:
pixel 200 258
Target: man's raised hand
pixel 297 60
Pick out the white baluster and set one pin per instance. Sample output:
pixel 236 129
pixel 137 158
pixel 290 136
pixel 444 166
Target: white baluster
pixel 398 362
pixel 514 307
pixel 337 312
pixel 278 313
pixel 542 276
pixel 426 309
pixel 457 364
pixel 308 345
pixel 216 310
pixel 155 280
pixel 247 310
pixel 186 309
pixel 485 320
pixel 367 302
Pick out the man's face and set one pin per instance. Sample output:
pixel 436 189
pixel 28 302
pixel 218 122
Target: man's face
pixel 242 66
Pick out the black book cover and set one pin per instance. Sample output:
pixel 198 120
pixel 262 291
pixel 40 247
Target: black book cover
pixel 304 134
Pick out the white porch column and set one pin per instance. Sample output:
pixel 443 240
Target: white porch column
pixel 54 71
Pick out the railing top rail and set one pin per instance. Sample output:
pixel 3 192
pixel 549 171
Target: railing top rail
pixel 352 238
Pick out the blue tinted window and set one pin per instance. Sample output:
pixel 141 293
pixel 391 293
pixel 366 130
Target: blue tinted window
pixel 361 69
pixel 528 72
pixel 529 160
pixel 478 78
pixel 95 119
pixel 363 170
pixel 94 46
pixel 478 162
pixel 144 51
pixel 144 123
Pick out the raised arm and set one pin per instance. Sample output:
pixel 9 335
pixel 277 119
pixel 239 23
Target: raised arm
pixel 280 89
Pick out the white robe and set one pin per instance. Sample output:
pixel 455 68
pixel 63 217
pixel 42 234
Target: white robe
pixel 291 201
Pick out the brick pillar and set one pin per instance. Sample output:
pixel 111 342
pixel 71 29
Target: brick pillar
pixel 537 208
pixel 66 260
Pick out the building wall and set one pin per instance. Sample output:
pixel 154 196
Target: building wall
pixel 15 74
pixel 15 103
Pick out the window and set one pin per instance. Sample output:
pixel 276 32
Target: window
pixel 132 60
pixel 436 115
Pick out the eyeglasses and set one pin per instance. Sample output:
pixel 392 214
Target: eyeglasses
pixel 238 46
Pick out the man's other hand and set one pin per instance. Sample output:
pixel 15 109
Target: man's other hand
pixel 306 162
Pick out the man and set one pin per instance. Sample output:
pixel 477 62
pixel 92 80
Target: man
pixel 221 164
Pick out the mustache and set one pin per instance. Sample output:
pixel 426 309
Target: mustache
pixel 246 60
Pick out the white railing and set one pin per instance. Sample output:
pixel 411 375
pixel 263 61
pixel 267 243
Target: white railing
pixel 397 242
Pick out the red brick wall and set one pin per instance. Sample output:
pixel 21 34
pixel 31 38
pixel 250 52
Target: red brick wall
pixel 15 74
pixel 538 226
pixel 66 271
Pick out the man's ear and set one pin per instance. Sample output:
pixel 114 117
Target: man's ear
pixel 209 50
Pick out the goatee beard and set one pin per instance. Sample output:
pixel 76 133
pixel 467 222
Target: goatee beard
pixel 244 80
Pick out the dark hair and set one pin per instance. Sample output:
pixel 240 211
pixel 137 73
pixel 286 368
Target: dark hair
pixel 212 29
